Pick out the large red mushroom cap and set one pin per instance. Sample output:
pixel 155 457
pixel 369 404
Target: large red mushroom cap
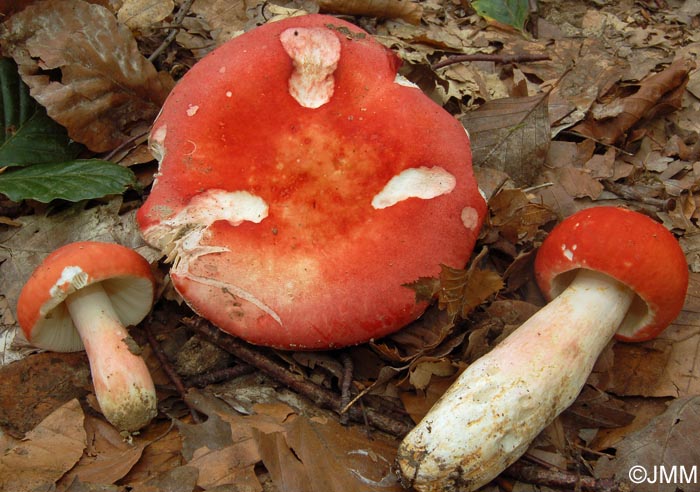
pixel 629 247
pixel 302 184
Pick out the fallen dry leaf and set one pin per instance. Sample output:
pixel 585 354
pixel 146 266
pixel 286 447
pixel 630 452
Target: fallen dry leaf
pixel 142 14
pixel 421 372
pixel 24 248
pixel 668 442
pixel 462 290
pixel 222 450
pixel 177 479
pixel 34 387
pixel 595 409
pixel 164 453
pixel 227 18
pixel 339 459
pixel 578 183
pixel 657 94
pixel 419 338
pixel 667 366
pixel 108 457
pixel 46 453
pixel 515 217
pixel 393 9
pixel 417 404
pixel 84 67
pixel 580 71
pixel 511 135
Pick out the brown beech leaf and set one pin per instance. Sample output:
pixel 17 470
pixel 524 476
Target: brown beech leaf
pixel 668 442
pixel 511 135
pixel 426 288
pixel 667 365
pixel 34 387
pixel 46 453
pixel 515 217
pixel 464 290
pixel 332 457
pixel 406 10
pixel 658 94
pixel 418 338
pixel 108 458
pixel 596 409
pixel 227 18
pixel 142 14
pixel 84 67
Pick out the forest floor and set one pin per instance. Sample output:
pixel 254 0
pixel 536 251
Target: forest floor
pixel 610 117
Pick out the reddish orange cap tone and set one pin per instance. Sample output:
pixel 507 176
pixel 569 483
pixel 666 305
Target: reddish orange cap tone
pixel 628 246
pixel 125 275
pixel 302 184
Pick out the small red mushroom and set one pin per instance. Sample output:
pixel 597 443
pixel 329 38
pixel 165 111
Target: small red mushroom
pixel 609 272
pixel 303 183
pixel 82 296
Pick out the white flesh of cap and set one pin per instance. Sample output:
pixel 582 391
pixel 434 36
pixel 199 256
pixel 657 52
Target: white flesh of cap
pixel 315 53
pixel 416 182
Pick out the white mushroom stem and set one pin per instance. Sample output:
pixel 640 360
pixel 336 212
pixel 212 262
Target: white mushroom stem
pixel 499 404
pixel 123 384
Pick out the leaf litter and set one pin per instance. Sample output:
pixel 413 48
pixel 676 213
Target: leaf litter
pixel 611 118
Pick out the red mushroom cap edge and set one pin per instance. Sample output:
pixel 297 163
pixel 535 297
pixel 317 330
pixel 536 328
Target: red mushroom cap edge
pixel 125 275
pixel 628 246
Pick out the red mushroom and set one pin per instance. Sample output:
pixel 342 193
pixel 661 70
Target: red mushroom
pixel 82 296
pixel 303 183
pixel 610 272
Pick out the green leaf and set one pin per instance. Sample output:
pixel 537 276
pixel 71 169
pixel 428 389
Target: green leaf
pixel 512 13
pixel 27 134
pixel 73 181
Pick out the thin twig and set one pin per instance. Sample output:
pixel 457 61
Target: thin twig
pixel 177 22
pixel 170 371
pixel 642 194
pixel 322 397
pixel 494 58
pixel 345 385
pixel 563 479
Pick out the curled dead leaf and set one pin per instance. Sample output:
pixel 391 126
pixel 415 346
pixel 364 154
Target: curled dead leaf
pixel 516 218
pixel 84 67
pixel 658 94
pixel 393 9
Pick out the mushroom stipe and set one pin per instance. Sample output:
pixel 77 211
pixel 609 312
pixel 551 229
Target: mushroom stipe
pixel 609 272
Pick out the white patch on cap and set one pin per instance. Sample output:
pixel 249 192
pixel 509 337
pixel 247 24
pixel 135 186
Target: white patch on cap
pixel 568 253
pixel 470 218
pixel 416 182
pixel 156 142
pixel 235 207
pixel 401 80
pixel 181 234
pixel 192 110
pixel 72 278
pixel 229 93
pixel 315 53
